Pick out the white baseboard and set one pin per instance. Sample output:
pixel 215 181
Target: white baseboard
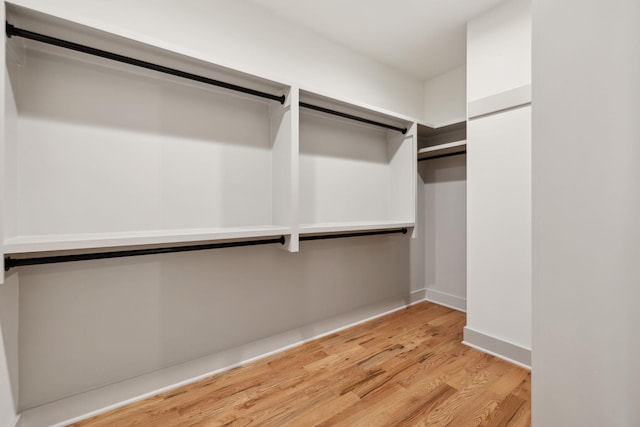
pixel 417 296
pixel 448 300
pixel 104 399
pixel 502 349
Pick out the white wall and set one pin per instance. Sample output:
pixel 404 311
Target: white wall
pixel 247 37
pixel 586 210
pixel 9 364
pixel 8 410
pixel 444 194
pixel 8 294
pixel 498 50
pixel 499 227
pixel 445 219
pixel 445 97
pixel 499 185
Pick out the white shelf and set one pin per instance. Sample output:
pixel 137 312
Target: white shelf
pixel 341 227
pixel 355 107
pixel 111 155
pixel 439 150
pixel 353 172
pixel 29 244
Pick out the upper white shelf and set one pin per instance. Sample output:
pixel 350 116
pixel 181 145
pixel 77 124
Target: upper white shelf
pixel 442 141
pixel 442 149
pixel 362 111
pixel 29 244
pixel 55 20
pixel 126 143
pixel 341 227
pixel 149 149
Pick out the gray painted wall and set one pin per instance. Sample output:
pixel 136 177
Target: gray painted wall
pixel 445 219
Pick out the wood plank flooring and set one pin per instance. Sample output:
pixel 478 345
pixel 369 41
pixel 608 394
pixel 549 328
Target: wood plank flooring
pixel 404 369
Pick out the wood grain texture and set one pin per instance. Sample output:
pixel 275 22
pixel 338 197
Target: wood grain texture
pixel 408 368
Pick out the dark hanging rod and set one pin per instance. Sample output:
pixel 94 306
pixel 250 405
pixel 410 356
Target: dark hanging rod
pixel 442 155
pixel 19 262
pixel 14 31
pixel 364 233
pixel 351 117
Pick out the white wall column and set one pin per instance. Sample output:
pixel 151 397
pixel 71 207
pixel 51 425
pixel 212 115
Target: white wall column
pixel 586 213
pixel 499 182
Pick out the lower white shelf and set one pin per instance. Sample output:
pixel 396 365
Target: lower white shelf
pixel 342 227
pixel 28 244
pixel 46 243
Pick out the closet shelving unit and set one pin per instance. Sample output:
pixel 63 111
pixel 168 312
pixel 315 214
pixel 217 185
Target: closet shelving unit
pixel 443 141
pixel 356 169
pixel 151 145
pixel 103 158
pixel 115 143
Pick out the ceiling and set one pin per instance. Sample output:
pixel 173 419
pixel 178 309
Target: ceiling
pixel 421 37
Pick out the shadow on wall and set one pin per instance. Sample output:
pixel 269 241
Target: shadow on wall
pixel 88 324
pixel 444 169
pixel 9 344
pixel 445 228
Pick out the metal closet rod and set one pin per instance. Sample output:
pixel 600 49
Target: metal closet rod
pixel 19 262
pixel 442 155
pixel 18 32
pixel 352 117
pixel 364 233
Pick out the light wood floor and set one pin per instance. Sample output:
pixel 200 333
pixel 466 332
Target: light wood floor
pixel 406 368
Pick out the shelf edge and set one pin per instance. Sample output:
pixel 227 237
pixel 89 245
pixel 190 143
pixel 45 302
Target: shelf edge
pixel 440 147
pixel 346 227
pixel 15 246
